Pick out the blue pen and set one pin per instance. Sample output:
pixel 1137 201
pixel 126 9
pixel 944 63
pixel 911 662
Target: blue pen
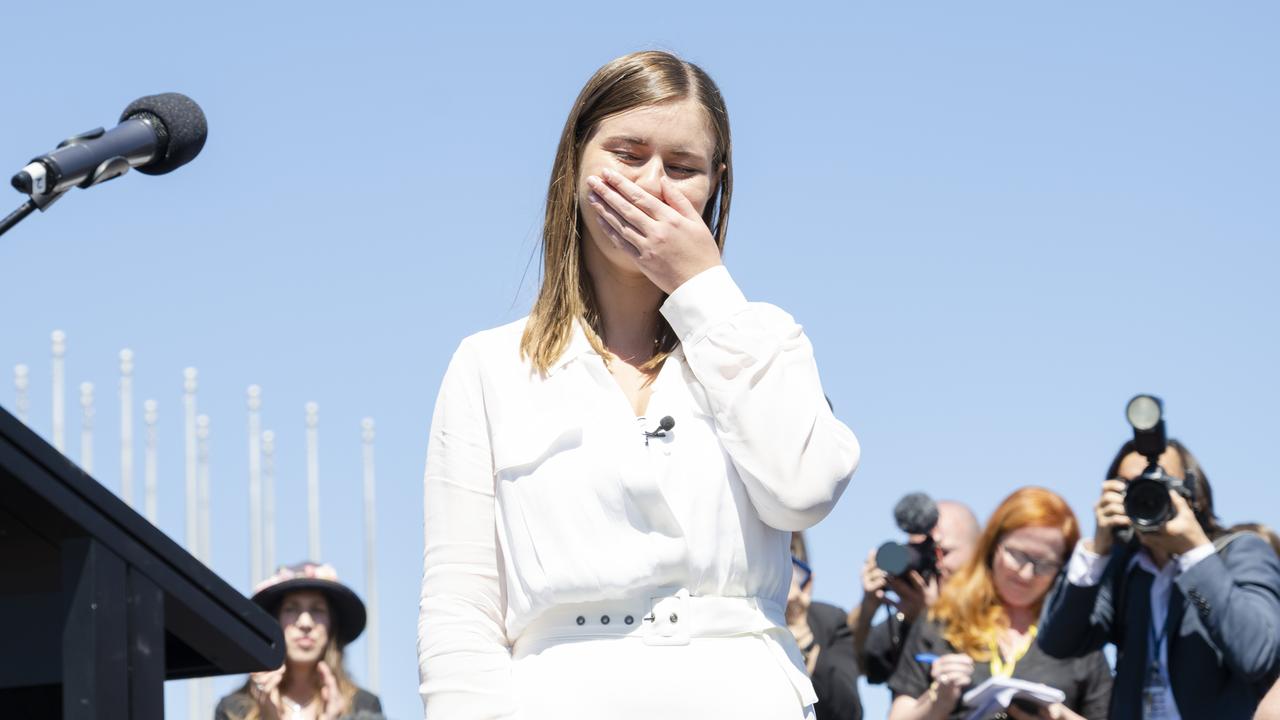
pixel 926 658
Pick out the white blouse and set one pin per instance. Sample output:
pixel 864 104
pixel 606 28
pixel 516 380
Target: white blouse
pixel 543 490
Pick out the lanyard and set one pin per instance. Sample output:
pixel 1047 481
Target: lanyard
pixel 1002 668
pixel 1156 695
pixel 1157 642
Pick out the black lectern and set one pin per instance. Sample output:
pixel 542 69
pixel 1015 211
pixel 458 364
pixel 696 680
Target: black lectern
pixel 97 606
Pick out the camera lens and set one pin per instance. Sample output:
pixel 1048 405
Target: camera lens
pixel 893 558
pixel 1143 412
pixel 1146 502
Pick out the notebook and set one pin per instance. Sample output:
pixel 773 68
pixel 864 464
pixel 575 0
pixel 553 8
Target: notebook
pixel 995 695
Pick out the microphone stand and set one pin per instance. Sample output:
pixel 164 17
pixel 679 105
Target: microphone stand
pixel 17 216
pixel 110 169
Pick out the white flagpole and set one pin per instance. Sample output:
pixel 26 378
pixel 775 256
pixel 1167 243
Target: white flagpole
pixel 370 567
pixel 21 381
pixel 86 427
pixel 268 502
pixel 59 339
pixel 202 479
pixel 189 411
pixel 204 688
pixel 126 426
pixel 255 485
pixel 150 416
pixel 313 483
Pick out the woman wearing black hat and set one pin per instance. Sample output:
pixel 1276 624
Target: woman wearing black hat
pixel 319 616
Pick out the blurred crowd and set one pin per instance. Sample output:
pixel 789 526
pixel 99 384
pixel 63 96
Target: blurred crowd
pixel 1027 601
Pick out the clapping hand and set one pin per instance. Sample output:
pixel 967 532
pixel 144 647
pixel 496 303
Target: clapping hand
pixel 332 704
pixel 264 688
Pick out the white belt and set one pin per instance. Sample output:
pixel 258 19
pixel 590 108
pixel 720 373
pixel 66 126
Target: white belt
pixel 674 619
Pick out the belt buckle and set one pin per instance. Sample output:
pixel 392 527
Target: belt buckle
pixel 669 620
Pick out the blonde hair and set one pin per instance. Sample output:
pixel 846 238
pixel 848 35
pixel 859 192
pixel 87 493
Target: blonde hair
pixel 969 607
pixel 566 297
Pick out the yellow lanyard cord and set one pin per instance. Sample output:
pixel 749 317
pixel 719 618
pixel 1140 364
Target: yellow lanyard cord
pixel 1002 668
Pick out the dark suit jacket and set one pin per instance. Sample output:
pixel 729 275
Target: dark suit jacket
pixel 835 677
pixel 1224 629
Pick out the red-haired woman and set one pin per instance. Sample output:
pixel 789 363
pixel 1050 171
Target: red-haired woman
pixel 984 624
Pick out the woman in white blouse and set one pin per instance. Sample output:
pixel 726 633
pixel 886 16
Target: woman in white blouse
pixel 582 561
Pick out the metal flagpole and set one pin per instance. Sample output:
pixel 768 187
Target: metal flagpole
pixel 21 381
pixel 313 483
pixel 268 502
pixel 370 568
pixel 255 485
pixel 189 411
pixel 204 690
pixel 150 416
pixel 126 426
pixel 86 427
pixel 194 709
pixel 202 481
pixel 59 339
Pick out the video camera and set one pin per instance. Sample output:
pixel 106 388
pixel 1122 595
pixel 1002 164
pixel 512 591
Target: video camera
pixel 916 514
pixel 1146 498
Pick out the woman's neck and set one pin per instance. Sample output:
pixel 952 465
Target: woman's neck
pixel 628 305
pixel 1020 619
pixel 299 682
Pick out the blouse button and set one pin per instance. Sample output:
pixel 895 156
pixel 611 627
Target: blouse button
pixel 604 619
pixel 628 620
pixel 675 618
pixel 582 620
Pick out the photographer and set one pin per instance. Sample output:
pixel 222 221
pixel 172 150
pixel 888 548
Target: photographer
pixel 878 648
pixel 824 641
pixel 1196 623
pixel 1269 708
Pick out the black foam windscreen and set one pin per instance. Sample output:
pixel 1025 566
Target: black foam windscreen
pixel 183 122
pixel 916 513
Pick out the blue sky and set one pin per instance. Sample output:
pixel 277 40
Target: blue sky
pixel 997 221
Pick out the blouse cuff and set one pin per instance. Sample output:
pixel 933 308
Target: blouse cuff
pixel 702 301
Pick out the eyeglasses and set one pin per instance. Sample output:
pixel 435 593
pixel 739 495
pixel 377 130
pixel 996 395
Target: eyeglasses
pixel 801 570
pixel 1019 560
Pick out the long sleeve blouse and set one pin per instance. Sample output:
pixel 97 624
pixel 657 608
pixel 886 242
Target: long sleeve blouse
pixel 543 489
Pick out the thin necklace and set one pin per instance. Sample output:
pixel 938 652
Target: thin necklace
pixel 294 708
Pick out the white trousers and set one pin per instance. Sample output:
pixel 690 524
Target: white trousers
pixel 667 658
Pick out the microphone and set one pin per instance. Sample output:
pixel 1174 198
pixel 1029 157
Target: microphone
pixel 664 425
pixel 916 513
pixel 156 134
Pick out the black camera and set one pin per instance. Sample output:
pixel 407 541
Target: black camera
pixel 916 514
pixel 1146 498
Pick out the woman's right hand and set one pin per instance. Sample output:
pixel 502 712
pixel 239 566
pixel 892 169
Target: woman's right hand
pixel 952 674
pixel 264 688
pixel 1109 512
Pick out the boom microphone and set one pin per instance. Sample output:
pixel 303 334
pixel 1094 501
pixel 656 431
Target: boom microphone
pixel 916 513
pixel 156 134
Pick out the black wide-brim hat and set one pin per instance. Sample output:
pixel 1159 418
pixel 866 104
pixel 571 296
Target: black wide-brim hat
pixel 344 605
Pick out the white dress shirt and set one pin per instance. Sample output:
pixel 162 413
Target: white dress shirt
pixel 1085 570
pixel 544 490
